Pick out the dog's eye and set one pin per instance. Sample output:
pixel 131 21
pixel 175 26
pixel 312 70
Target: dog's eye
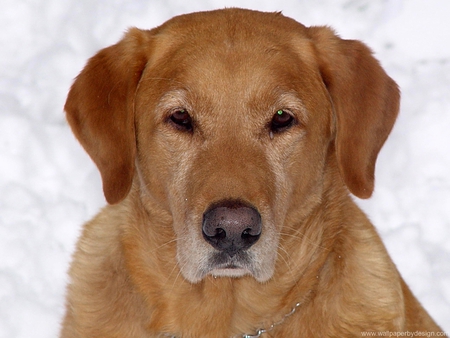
pixel 181 119
pixel 281 121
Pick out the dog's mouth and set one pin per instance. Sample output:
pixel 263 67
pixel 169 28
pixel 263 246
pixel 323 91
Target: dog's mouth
pixel 223 265
pixel 255 262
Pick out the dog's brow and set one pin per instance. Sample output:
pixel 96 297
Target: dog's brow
pixel 173 98
pixel 168 79
pixel 291 100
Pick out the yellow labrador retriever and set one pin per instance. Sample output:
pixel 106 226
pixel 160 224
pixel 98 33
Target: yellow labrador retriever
pixel 228 143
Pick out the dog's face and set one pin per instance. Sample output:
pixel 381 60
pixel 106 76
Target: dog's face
pixel 227 120
pixel 227 125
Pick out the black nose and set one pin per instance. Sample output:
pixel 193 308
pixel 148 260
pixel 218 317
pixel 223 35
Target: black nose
pixel 231 226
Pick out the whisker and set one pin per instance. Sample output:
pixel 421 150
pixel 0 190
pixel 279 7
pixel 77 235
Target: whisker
pixel 302 236
pixel 176 277
pixel 286 259
pixel 166 243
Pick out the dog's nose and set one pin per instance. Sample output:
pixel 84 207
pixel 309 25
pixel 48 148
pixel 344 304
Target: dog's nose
pixel 231 226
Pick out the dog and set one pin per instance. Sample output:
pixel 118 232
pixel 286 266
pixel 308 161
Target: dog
pixel 229 143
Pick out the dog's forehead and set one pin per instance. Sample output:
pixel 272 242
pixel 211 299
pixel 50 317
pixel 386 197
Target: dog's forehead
pixel 239 51
pixel 233 23
pixel 240 35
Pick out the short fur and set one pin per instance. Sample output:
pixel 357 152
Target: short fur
pixel 142 268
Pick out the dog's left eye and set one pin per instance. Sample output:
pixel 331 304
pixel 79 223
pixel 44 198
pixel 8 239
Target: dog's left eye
pixel 281 121
pixel 181 120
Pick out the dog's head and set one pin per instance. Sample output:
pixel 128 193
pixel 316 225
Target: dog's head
pixel 228 121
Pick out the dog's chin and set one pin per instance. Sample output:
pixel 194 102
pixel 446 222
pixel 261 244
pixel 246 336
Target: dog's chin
pixel 233 272
pixel 238 272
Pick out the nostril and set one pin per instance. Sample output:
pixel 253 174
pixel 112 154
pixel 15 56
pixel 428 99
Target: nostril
pixel 220 233
pixel 249 236
pixel 215 236
pixel 254 231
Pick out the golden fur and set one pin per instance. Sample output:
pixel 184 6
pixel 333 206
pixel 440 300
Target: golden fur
pixel 142 268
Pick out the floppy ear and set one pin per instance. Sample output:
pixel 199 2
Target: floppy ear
pixel 99 109
pixel 366 103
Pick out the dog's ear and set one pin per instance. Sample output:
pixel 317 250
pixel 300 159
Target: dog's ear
pixel 366 103
pixel 99 109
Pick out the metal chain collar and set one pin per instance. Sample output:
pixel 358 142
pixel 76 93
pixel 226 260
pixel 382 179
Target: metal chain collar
pixel 273 325
pixel 259 332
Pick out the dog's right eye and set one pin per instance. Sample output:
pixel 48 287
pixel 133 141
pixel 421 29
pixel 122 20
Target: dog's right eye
pixel 281 121
pixel 181 120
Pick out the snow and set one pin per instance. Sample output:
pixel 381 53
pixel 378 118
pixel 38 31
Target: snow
pixel 49 186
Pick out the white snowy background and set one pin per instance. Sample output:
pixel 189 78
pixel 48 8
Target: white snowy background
pixel 49 186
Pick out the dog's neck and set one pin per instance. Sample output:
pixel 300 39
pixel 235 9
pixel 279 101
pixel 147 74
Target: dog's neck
pixel 258 332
